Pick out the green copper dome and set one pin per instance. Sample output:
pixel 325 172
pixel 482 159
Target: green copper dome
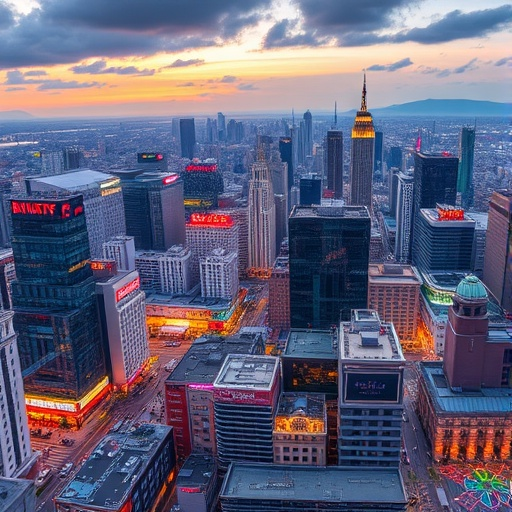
pixel 471 288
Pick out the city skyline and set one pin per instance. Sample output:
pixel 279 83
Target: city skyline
pixel 64 59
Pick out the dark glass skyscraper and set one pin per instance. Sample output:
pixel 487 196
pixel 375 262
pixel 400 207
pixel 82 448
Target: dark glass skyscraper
pixel 465 175
pixel 310 191
pixel 286 152
pixel 335 163
pixel 187 138
pixel 308 133
pixel 329 249
pixel 55 307
pixel 377 161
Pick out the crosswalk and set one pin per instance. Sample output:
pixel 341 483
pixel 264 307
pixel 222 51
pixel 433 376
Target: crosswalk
pixel 53 455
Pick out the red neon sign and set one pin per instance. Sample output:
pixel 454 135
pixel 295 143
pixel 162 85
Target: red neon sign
pixel 201 168
pixel 101 265
pixel 213 220
pixel 450 214
pixel 151 156
pixel 31 208
pixel 127 288
pixel 170 179
pixel 190 489
pixel 216 326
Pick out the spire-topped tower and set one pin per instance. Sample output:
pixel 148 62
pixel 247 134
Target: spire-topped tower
pixel 364 108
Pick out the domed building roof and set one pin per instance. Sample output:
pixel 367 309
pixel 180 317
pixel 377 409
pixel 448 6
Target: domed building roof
pixel 471 288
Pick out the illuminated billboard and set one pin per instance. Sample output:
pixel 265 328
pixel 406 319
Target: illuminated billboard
pixel 201 167
pixel 145 158
pixel 212 220
pixel 371 387
pixel 55 209
pixel 127 289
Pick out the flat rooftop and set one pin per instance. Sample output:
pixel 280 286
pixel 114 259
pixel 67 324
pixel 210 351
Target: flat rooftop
pixel 310 405
pixel 432 217
pixel 325 484
pixel 391 274
pixel 107 476
pixel 490 401
pixel 192 300
pixel 248 372
pixel 73 181
pixel 313 344
pixel 12 492
pixel 327 211
pixel 196 472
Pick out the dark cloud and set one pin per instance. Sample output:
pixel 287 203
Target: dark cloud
pixel 36 72
pixel 466 67
pixel 286 33
pixel 6 16
pixel 49 85
pixel 186 84
pixel 391 67
pixel 503 61
pixel 16 77
pixel 92 69
pixel 184 63
pixel 99 67
pixel 246 87
pixel 233 25
pixel 228 79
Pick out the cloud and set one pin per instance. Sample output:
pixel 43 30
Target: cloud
pixel 13 89
pixel 287 33
pixel 503 61
pixel 61 84
pixel 99 68
pixel 246 87
pixel 391 67
pixel 469 66
pixel 16 77
pixel 184 63
pixel 186 84
pixel 6 16
pixel 228 79
pixel 36 72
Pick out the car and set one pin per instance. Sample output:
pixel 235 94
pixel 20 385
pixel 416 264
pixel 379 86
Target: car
pixel 43 476
pixel 66 469
pixel 172 344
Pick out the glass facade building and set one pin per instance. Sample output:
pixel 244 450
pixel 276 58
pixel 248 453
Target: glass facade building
pixel 329 249
pixel 55 309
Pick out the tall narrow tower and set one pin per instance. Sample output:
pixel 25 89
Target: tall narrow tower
pixel 335 163
pixel 262 219
pixel 362 156
pixel 308 133
pixel 465 174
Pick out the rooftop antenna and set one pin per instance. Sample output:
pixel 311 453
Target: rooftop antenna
pixel 335 115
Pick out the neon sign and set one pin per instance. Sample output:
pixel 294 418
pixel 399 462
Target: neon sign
pixel 211 220
pixel 450 214
pixel 170 179
pixel 127 288
pixel 61 210
pixel 102 265
pixel 190 489
pixel 201 168
pixel 149 157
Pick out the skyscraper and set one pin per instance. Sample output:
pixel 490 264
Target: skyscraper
pixel 498 248
pixel 221 126
pixel 362 156
pixel 404 217
pixel 308 133
pixel 55 309
pixel 310 190
pixel 335 163
pixel 465 175
pixel 262 219
pixel 377 162
pixel 187 138
pixel 329 255
pixel 286 152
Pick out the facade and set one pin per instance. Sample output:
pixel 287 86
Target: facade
pixel 219 274
pixel 17 495
pixel 335 163
pixel 122 250
pixel 498 260
pixel 286 152
pixel 279 294
pixel 371 392
pixel 481 221
pixel 7 276
pixel 103 199
pixel 202 185
pixel 240 217
pixel 152 161
pixel 277 488
pixel 443 240
pixel 122 306
pixel 300 430
pixel 246 392
pixel 403 214
pixel 261 220
pixel 378 157
pixel 310 191
pixel 153 207
pixel 362 156
pixel 188 138
pixel 15 449
pixel 197 484
pixel 329 254
pixel 394 292
pixel 466 159
pixel 55 309
pixel 308 133
pixel 133 470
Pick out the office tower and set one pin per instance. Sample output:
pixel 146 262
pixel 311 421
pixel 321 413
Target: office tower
pixel 103 202
pixel 329 255
pixel 300 430
pixel 279 295
pixel 15 449
pixel 206 232
pixel 498 251
pixel 175 129
pixel 393 190
pixel 52 162
pixel 286 152
pixel 211 131
pixel 435 182
pixel 197 484
pixel 395 158
pixel 246 392
pixel 394 292
pixel 378 164
pixel 153 208
pixel 362 156
pixel 281 219
pixel 371 392
pixel 55 309
pixel 131 470
pixel 262 219
pixel 335 163
pixel 481 221
pixel 404 204
pixel 202 185
pixel 465 174
pixel 17 494
pixel 219 274
pixel 7 276
pixel 152 161
pixel 188 138
pixel 310 191
pixel 221 126
pixel 308 133
pixel 121 249
pixel 72 158
pixel 443 240
pixel 5 228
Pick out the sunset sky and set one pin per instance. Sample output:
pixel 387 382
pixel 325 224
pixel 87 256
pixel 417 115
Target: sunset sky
pixel 70 58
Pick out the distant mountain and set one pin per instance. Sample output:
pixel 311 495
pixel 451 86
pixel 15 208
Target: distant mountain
pixel 15 115
pixel 459 108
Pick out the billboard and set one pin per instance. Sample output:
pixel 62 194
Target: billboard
pixel 55 209
pixel 371 387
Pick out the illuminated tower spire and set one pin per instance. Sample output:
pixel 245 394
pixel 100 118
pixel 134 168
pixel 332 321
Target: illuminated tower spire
pixel 364 108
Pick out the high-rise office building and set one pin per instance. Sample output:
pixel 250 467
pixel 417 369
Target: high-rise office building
pixel 335 163
pixel 466 158
pixel 308 133
pixel 7 276
pixel 286 152
pixel 404 204
pixel 393 190
pixel 72 158
pixel 219 274
pixel 55 309
pixel 329 255
pixel 395 158
pixel 362 156
pixel 188 138
pixel 378 156
pixel 221 126
pixel 262 219
pixel 279 295
pixel 498 248
pixel 153 208
pixel 121 249
pixel 310 191
pixel 202 184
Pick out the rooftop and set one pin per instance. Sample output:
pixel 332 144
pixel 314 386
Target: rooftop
pixel 392 274
pixel 325 484
pixel 309 405
pixel 248 372
pixel 196 472
pixel 74 181
pixel 314 344
pixel 325 211
pixel 107 476
pixel 432 217
pixel 12 490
